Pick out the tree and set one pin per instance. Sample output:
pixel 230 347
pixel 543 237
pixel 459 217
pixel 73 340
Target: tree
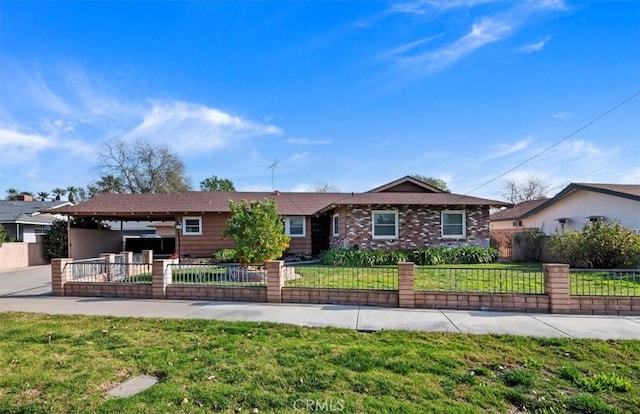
pixel 214 183
pixel 12 194
pixel 322 187
pixel 72 194
pixel 43 195
pixel 4 235
pixel 55 240
pixel 257 230
pixel 517 191
pixel 108 184
pixel 143 167
pixel 58 192
pixel 433 181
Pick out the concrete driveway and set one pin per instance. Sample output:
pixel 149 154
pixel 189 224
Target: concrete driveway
pixel 26 282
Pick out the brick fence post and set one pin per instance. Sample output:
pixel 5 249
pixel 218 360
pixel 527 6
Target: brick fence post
pixel 60 274
pixel 109 260
pixel 275 281
pixel 160 278
pixel 556 285
pixel 148 256
pixel 406 296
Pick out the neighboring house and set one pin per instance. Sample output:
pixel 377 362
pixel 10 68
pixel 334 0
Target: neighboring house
pixel 573 207
pixel 22 217
pixel 403 214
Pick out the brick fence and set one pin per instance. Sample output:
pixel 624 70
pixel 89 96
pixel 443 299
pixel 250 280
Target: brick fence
pixel 555 299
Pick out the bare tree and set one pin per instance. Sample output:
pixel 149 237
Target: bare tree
pixel 144 168
pixel 322 187
pixel 517 191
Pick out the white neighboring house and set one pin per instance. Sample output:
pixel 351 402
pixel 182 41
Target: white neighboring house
pixel 24 218
pixel 573 207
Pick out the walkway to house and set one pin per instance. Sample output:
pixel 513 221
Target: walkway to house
pixel 28 290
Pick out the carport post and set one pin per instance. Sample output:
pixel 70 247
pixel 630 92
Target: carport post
pixel 60 274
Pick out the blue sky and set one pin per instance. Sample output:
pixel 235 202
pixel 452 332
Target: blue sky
pixel 352 93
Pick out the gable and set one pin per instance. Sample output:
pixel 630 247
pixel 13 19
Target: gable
pixel 406 187
pixel 406 184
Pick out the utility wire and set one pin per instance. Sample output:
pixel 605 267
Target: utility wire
pixel 577 131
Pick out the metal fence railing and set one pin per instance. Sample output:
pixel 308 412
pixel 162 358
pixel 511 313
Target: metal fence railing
pixel 100 270
pixel 610 282
pixel 479 280
pixel 218 275
pixel 337 277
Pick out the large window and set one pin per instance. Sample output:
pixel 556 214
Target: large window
pixel 454 223
pixel 192 226
pixel 385 224
pixel 336 225
pixel 294 226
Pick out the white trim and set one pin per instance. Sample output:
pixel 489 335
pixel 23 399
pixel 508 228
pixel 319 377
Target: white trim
pixel 464 224
pixel 191 233
pixel 373 224
pixel 287 226
pixel 336 229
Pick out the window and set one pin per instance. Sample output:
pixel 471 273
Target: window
pixel 385 224
pixel 454 223
pixel 336 224
pixel 294 226
pixel 38 230
pixel 192 226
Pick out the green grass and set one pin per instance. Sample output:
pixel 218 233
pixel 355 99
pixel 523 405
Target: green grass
pixel 67 363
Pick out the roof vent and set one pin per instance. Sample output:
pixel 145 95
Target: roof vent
pixel 276 192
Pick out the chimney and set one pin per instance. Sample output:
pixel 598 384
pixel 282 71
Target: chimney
pixel 24 197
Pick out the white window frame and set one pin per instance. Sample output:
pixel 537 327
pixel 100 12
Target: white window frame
pixel 191 233
pixel 287 226
pixel 464 224
pixel 336 228
pixel 373 225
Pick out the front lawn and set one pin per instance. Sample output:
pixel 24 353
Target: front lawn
pixel 67 363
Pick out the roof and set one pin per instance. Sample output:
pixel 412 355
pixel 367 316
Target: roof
pixel 628 191
pixel 29 211
pixel 517 211
pixel 407 184
pixel 168 205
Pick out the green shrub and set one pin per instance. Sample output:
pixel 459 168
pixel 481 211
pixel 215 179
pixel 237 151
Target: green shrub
pixel 225 256
pixel 599 245
pixel 422 257
pixel 4 235
pixel 532 243
pixel 55 240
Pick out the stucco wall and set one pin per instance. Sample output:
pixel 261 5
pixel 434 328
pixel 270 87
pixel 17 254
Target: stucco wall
pixel 581 204
pixel 88 243
pixel 418 226
pixel 19 254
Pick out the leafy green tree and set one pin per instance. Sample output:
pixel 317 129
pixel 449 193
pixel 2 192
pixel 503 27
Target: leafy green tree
pixel 4 234
pixel 55 240
pixel 12 194
pixel 599 245
pixel 215 183
pixel 109 184
pixel 43 195
pixel 257 230
pixel 433 181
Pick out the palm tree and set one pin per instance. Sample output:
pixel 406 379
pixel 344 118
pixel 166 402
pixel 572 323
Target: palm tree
pixel 58 192
pixel 72 193
pixel 43 195
pixel 110 184
pixel 12 194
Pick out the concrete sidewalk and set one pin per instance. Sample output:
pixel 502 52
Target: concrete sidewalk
pixel 353 317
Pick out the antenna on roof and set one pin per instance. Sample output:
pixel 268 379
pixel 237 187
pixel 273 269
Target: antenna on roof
pixel 273 167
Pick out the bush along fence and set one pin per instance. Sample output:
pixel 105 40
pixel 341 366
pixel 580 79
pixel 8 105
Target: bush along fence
pixel 553 289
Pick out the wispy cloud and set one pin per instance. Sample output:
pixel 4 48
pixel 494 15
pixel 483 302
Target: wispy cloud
pixel 309 141
pixel 420 7
pixel 533 47
pixel 508 149
pixel 561 115
pixel 186 127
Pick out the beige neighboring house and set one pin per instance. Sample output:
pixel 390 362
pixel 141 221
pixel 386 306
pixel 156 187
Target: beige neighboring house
pixel 573 207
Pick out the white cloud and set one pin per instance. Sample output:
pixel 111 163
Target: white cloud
pixel 423 6
pixel 29 142
pixel 561 115
pixel 309 141
pixel 533 47
pixel 189 126
pixel 508 149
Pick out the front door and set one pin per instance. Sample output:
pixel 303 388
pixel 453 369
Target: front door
pixel 320 228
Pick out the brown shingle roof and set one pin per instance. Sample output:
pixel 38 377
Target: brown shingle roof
pixel 196 202
pixel 517 211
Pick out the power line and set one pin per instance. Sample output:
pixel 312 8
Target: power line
pixel 577 131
